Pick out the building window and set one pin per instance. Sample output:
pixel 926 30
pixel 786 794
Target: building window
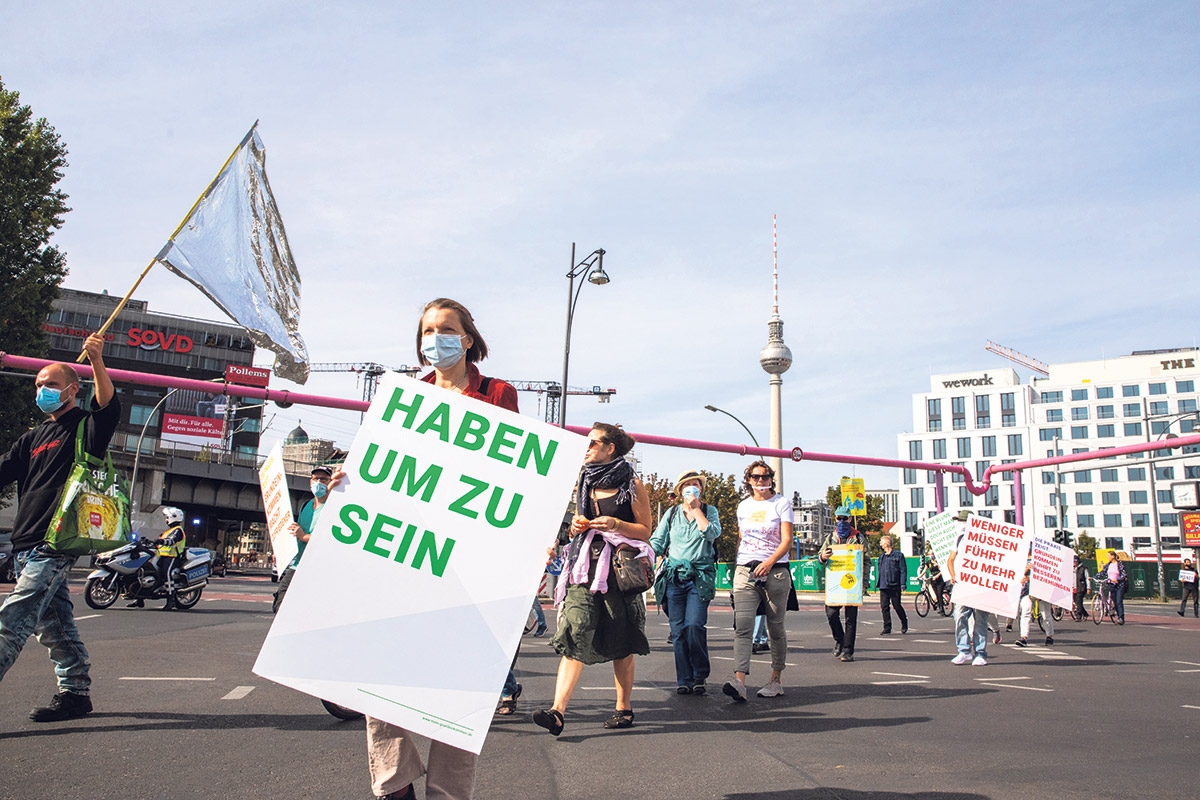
pixel 989 446
pixel 916 497
pixel 1139 520
pixel 910 476
pixel 1131 391
pixel 1104 392
pixel 911 520
pixel 1079 394
pixel 1108 476
pixel 983 411
pixel 1164 473
pixel 992 496
pixel 1158 388
pixel 1008 476
pixel 1187 407
pixel 1079 414
pixel 1049 479
pixel 1185 386
pixel 1083 476
pixel 956 477
pixel 965 498
pixel 1131 410
pixel 960 423
pixel 1160 408
pixel 143 415
pixel 1164 495
pixel 1133 429
pixel 964 447
pixel 1110 498
pixel 1083 498
pixel 1008 420
pixel 1054 415
pixel 1138 497
pixel 934 408
pixel 1134 473
pixel 1114 542
pixel 1106 431
pixel 1051 522
pixel 1104 412
pixel 914 451
pixel 1160 426
pixel 1191 472
pixel 1052 397
pixel 958 406
pixel 981 468
pixel 1014 444
pixel 1168 520
pixel 1079 431
pixel 931 476
pixel 1049 434
pixel 1085 520
pixel 935 425
pixel 939 449
pixel 1008 401
pixel 1112 520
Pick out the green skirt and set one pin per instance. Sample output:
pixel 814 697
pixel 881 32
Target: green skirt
pixel 595 628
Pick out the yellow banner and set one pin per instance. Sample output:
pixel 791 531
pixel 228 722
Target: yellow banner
pixel 854 496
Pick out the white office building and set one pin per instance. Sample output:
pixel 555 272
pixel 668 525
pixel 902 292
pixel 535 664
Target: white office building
pixel 980 418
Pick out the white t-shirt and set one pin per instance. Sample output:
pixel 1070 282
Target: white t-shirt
pixel 760 523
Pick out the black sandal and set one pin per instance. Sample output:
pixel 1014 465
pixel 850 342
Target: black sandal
pixel 549 719
pixel 621 718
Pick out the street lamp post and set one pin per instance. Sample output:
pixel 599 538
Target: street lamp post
pixel 593 267
pixel 1062 501
pixel 735 419
pixel 137 457
pixel 1164 434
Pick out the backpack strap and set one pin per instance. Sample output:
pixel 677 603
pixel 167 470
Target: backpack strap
pixel 484 384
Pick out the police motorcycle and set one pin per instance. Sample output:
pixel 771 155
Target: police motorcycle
pixel 131 571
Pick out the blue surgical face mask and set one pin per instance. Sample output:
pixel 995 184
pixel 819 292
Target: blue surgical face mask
pixel 49 400
pixel 442 350
pixel 319 489
pixel 691 491
pixel 843 529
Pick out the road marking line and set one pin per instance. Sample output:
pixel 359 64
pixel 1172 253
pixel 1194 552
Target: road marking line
pixel 613 689
pixel 899 675
pixel 1014 686
pixel 755 660
pixel 1194 708
pixel 1018 678
pixel 88 616
pixel 1187 670
pixel 238 693
pixel 929 641
pixel 1187 663
pixel 164 679
pixel 895 683
pixel 1060 657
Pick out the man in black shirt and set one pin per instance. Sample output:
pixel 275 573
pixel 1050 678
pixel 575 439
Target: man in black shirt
pixel 40 463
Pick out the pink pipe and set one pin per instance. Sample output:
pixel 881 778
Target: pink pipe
pixel 795 454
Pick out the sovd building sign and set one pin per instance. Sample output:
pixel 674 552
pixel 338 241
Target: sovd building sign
pixel 436 543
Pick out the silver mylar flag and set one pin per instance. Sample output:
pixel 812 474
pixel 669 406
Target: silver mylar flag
pixel 233 247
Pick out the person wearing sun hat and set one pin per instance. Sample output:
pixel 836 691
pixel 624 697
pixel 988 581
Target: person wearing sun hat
pixel 687 579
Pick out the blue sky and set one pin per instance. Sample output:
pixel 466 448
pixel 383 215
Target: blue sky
pixel 943 174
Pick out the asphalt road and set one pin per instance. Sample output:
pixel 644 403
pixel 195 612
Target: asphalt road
pixel 1107 712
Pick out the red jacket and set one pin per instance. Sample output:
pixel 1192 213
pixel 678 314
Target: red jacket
pixel 497 392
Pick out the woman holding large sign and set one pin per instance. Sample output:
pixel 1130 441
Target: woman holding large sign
pixel 598 621
pixel 447 340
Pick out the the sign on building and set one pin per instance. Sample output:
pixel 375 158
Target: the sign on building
pixel 245 375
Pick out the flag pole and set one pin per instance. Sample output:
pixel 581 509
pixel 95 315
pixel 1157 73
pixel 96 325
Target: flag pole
pixel 121 305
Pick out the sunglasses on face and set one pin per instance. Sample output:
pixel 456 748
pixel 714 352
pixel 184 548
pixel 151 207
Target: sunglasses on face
pixel 595 443
pixel 760 477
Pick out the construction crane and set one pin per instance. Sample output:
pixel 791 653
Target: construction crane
pixel 1018 358
pixel 553 392
pixel 368 371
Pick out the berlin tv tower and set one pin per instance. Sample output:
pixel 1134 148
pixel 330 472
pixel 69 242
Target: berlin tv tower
pixel 775 359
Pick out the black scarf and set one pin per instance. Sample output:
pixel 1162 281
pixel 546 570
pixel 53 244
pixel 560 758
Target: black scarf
pixel 616 474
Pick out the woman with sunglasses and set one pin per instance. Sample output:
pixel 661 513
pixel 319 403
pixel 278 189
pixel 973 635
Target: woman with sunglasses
pixel 762 575
pixel 597 621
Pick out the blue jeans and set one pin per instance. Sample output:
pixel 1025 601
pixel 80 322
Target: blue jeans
pixel 964 636
pixel 40 604
pixel 689 616
pixel 541 615
pixel 1117 593
pixel 760 630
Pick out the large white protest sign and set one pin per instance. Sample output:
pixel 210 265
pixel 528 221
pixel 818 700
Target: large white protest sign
pixel 1051 573
pixel 844 576
pixel 989 563
pixel 940 531
pixel 416 583
pixel 277 504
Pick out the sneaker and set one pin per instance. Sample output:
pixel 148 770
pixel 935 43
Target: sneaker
pixel 904 630
pixel 1049 641
pixel 1180 613
pixel 1008 627
pixel 735 689
pixel 980 661
pixel 837 650
pixel 699 688
pixel 885 633
pixel 541 631
pixel 997 637
pixel 1022 642
pixel 760 647
pixel 64 705
pixel 772 689
pixel 960 659
pixel 847 657
pixel 407 794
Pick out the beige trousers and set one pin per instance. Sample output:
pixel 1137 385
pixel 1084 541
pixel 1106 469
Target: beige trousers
pixel 395 763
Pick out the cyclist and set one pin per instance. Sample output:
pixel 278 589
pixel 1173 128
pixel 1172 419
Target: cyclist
pixel 1025 611
pixel 930 573
pixel 1116 581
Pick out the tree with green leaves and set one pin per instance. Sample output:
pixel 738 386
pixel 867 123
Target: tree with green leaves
pixel 722 491
pixel 1085 546
pixel 32 159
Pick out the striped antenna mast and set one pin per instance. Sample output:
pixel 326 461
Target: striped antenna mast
pixel 775 265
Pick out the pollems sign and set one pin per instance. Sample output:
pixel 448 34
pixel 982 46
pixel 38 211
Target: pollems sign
pixel 150 339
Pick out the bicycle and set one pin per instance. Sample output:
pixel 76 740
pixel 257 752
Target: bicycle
pixel 1102 604
pixel 927 598
pixel 1056 613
